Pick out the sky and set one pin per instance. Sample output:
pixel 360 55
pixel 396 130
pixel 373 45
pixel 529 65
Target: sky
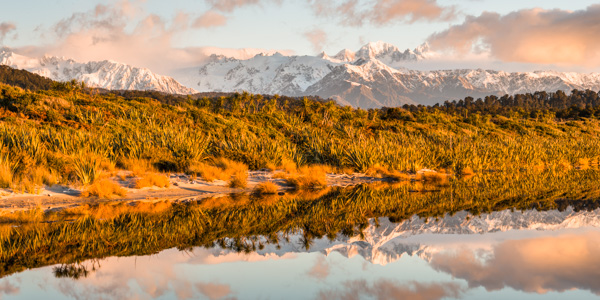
pixel 511 35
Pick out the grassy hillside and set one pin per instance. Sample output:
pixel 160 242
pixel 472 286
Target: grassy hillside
pixel 68 133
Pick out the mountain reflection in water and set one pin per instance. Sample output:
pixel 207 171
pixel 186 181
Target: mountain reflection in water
pixel 372 242
pixel 531 252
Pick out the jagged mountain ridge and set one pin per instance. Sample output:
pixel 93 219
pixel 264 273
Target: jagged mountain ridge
pixel 389 241
pixel 372 77
pixel 100 74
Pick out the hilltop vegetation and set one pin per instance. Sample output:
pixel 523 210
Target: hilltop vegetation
pixel 68 133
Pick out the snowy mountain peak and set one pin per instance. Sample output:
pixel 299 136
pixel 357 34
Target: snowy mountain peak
pixel 324 55
pixel 423 49
pixel 101 74
pixel 376 50
pixel 345 55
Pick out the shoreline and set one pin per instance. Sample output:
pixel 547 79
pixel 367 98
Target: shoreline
pixel 181 188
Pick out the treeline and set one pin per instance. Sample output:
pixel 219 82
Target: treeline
pixel 24 79
pixel 538 105
pixel 579 104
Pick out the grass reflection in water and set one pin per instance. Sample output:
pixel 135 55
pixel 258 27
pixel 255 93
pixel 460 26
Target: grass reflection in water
pixel 247 222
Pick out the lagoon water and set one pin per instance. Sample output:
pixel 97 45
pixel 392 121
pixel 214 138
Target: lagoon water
pixel 499 255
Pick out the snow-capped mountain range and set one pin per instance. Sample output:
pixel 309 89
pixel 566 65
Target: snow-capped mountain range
pixel 100 74
pixel 371 77
pixel 389 241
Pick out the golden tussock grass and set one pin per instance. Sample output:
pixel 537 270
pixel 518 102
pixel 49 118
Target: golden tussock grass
pixel 266 188
pixel 583 164
pixel 279 175
pixel 152 179
pixel 343 170
pixel 108 165
pixel 309 177
pixel 563 165
pixel 431 177
pixel 239 179
pixel 112 210
pixel 288 166
pixel 6 176
pixel 381 172
pixel 308 195
pixel 138 167
pixel 225 202
pixel 221 169
pixel 104 188
pixel 26 216
pixel 267 199
pixel 207 172
pixel 467 171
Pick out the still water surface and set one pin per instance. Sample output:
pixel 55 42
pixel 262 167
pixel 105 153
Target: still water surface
pixel 498 255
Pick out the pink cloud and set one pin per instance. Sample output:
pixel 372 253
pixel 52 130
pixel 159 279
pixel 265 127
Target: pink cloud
pixel 210 19
pixel 5 29
pixel 531 265
pixel 321 268
pixel 386 289
pixel 529 36
pixel 383 12
pixel 317 38
pixel 214 290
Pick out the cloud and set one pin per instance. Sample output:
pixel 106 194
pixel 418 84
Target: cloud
pixel 383 12
pixel 214 290
pixel 531 265
pixel 317 38
pixel 386 11
pixel 386 289
pixel 5 29
pixel 231 5
pixel 321 268
pixel 123 31
pixel 529 36
pixel 210 19
pixel 7 288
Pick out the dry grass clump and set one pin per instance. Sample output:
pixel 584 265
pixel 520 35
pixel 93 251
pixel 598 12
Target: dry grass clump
pixel 379 171
pixel 137 166
pixel 288 166
pixel 152 179
pixel 104 188
pixel 221 169
pixel 583 164
pixel 266 188
pixel 343 170
pixel 208 172
pixel 239 179
pixel 467 171
pixel 6 176
pixel 310 177
pixel 433 178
